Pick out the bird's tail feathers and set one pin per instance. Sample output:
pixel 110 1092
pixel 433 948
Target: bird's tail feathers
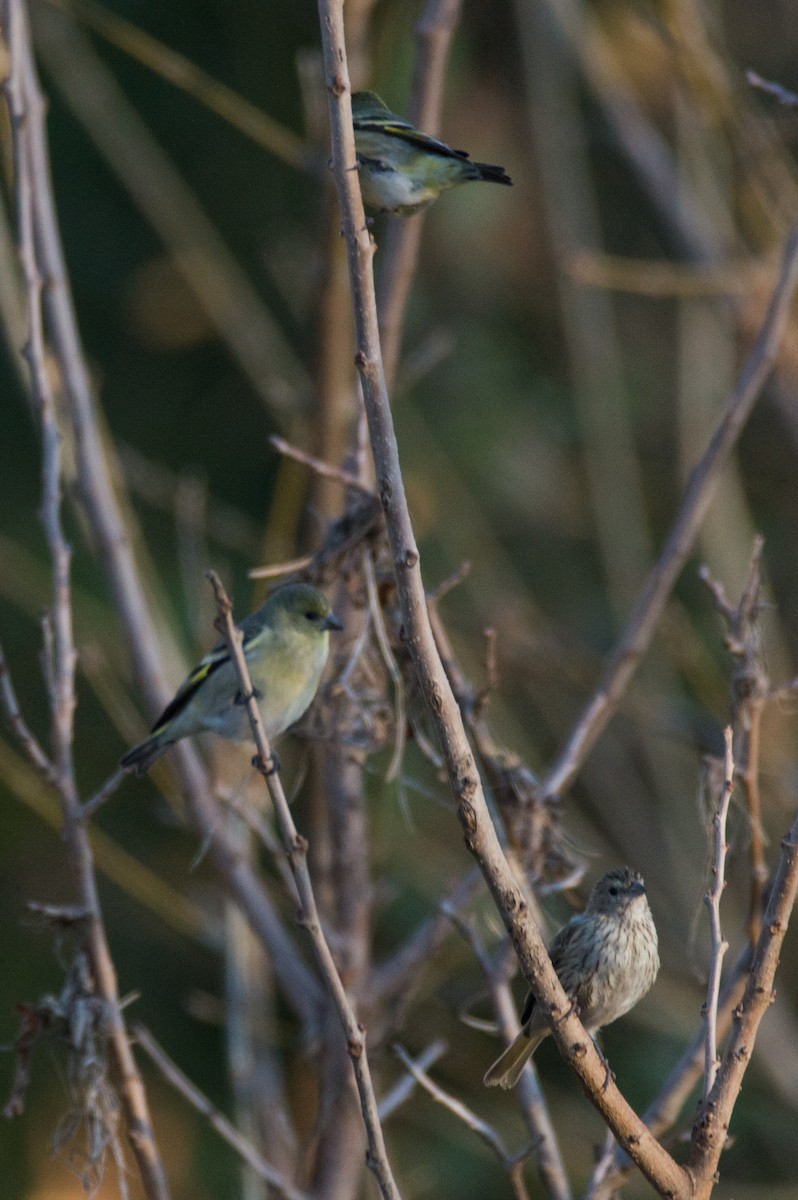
pixel 492 173
pixel 506 1071
pixel 141 757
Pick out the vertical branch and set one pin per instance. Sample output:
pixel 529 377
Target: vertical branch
pixel 434 33
pixel 750 689
pixel 719 947
pixel 464 780
pixel 710 1132
pixel 111 536
pixel 296 848
pixel 533 1105
pixel 26 107
pixel 749 777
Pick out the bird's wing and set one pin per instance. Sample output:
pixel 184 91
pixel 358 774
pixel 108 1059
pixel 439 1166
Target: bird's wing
pixel 398 128
pixel 188 688
pixel 559 954
pixel 251 627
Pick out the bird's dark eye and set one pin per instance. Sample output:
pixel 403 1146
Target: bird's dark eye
pixel 312 616
pixel 613 891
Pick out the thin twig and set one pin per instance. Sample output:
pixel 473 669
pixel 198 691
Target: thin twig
pixel 296 848
pixel 784 96
pixel 750 690
pixel 399 707
pixel 20 727
pixel 403 1089
pixel 434 33
pixel 635 639
pixel 103 794
pixel 394 981
pixel 709 1134
pixel 345 478
pixel 465 1114
pixel 216 1119
pixel 614 1167
pixel 464 780
pixel 530 1096
pixel 278 570
pixel 717 883
pixel 255 821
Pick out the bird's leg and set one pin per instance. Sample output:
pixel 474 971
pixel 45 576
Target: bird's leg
pixel 571 1010
pixel 609 1074
pixel 242 698
pixel 270 767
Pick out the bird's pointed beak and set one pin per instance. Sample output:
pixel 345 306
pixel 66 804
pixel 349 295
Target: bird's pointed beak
pixel 637 888
pixel 332 622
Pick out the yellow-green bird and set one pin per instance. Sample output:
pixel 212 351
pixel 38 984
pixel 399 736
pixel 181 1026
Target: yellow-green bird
pixel 286 642
pixel 403 170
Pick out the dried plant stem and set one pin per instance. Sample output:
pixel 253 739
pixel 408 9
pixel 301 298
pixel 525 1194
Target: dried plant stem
pixel 464 780
pixel 406 1085
pixel 719 947
pixel 709 1134
pixel 491 1138
pixel 296 848
pixel 26 109
pixel 648 608
pixel 20 727
pixel 217 1120
pixel 530 1096
pixel 748 772
pixel 345 478
pixel 750 691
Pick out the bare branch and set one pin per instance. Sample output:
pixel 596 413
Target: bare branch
pixel 296 848
pixel 32 189
pixel 406 1085
pixel 20 727
pixel 216 1119
pixel 278 570
pixel 650 603
pixel 434 33
pixel 719 947
pixel 481 1128
pixel 530 1096
pixel 464 780
pixel 345 478
pixel 784 96
pixel 750 691
pixel 103 794
pixel 709 1134
pixel 400 711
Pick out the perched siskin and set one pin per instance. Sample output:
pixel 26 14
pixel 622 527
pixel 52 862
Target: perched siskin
pixel 403 170
pixel 606 960
pixel 285 645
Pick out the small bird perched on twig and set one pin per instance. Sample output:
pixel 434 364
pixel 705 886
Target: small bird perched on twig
pixel 606 959
pixel 403 170
pixel 286 642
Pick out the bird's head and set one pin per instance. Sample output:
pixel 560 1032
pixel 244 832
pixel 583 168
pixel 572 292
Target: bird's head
pixel 616 891
pixel 301 608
